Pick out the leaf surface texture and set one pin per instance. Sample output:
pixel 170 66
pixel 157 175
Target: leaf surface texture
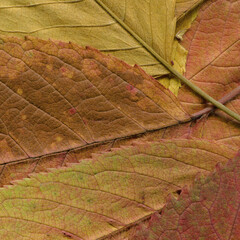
pixel 59 96
pixel 101 143
pixel 92 199
pixel 213 60
pixel 89 24
pixel 196 212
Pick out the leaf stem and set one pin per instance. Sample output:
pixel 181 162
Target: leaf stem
pixel 169 67
pixel 223 100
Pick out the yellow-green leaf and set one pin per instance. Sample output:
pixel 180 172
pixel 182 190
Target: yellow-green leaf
pixel 87 23
pixel 184 6
pixel 105 194
pixel 154 21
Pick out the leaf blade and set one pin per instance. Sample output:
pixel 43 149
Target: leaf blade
pixel 87 96
pixel 92 198
pixel 191 85
pixel 215 58
pixel 184 6
pixel 80 26
pixel 196 212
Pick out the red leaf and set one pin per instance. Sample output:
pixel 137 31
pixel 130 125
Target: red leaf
pixel 213 61
pixel 208 211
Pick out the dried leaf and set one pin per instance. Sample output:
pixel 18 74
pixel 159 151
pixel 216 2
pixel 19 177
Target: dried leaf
pixel 86 23
pixel 114 136
pixel 184 6
pixel 148 23
pixel 208 211
pixel 93 199
pixel 59 96
pixel 213 61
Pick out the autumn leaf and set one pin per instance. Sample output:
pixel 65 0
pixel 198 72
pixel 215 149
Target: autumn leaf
pixel 184 6
pixel 196 215
pixel 66 88
pixel 218 127
pixel 92 146
pixel 95 192
pixel 88 24
pixel 213 59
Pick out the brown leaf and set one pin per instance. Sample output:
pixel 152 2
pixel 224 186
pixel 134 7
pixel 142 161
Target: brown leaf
pixel 218 126
pixel 59 96
pixel 118 137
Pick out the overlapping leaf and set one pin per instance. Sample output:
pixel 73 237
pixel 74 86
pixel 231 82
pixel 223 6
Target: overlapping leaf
pixel 184 6
pixel 206 128
pixel 60 103
pixel 104 194
pixel 213 126
pixel 209 211
pixel 85 22
pixel 58 96
pixel 213 61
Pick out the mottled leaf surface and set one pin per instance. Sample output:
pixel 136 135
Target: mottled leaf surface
pixel 92 198
pixel 16 165
pixel 57 96
pixel 206 128
pixel 213 61
pixel 215 126
pixel 208 211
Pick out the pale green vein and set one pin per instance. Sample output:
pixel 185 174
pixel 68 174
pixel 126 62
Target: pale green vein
pixel 58 26
pixel 195 88
pixel 40 4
